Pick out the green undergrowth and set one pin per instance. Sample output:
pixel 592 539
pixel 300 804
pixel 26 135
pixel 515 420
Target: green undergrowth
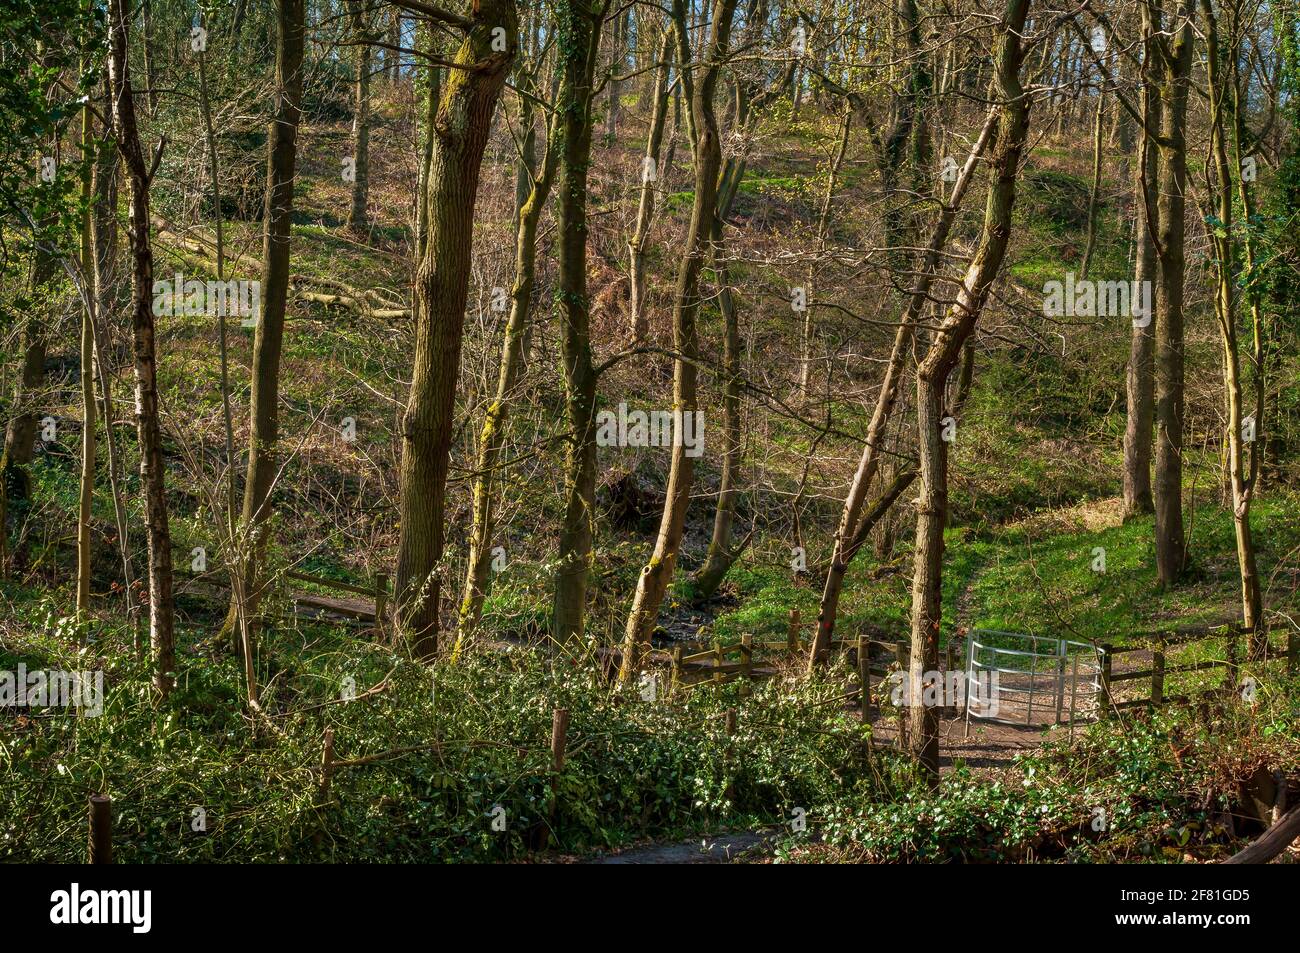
pixel 1155 789
pixel 448 747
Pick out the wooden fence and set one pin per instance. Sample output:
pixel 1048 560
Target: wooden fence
pixel 749 659
pixel 373 606
pixel 1162 645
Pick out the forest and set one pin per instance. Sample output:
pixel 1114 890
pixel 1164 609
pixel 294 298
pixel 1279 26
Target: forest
pixel 650 431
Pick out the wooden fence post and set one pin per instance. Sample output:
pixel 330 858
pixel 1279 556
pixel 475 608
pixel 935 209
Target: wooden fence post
pixel 1158 675
pixel 559 738
pixel 792 632
pixel 100 843
pixel 559 741
pixel 1103 694
pixel 327 766
pixel 718 659
pixel 746 662
pixel 677 670
pixel 864 675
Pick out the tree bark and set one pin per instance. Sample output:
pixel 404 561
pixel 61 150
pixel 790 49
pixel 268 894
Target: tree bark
pixel 1174 63
pixel 89 291
pixel 649 186
pixel 149 431
pixel 938 363
pixel 460 133
pixel 853 530
pixel 1225 309
pixel 579 23
pixel 358 218
pixel 658 572
pixel 268 336
pixel 1139 382
pixel 493 437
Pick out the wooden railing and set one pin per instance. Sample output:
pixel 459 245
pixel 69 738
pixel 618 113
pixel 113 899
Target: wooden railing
pixel 1162 645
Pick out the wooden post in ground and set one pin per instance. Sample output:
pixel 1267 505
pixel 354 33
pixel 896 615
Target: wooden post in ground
pixel 864 675
pixel 1158 675
pixel 1103 692
pixel 100 843
pixel 746 662
pixel 792 632
pixel 381 602
pixel 718 659
pixel 559 741
pixel 559 738
pixel 327 766
pixel 729 726
pixel 677 669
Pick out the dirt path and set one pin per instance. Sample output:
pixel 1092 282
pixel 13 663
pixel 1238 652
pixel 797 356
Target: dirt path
pixel 723 849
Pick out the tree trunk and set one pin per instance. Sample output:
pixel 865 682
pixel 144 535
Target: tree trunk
pixel 938 363
pixel 161 627
pixel 268 336
pixel 149 55
pixel 1139 383
pixel 431 94
pixel 581 23
pixel 1174 65
pixel 89 291
pixel 853 530
pixel 720 555
pixel 650 175
pixel 460 133
pixel 657 574
pixel 1095 189
pixel 493 437
pixel 358 219
pixel 1225 309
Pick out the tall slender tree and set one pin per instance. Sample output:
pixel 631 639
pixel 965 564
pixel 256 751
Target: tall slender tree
pixel 460 131
pixel 938 363
pixel 658 572
pixel 148 427
pixel 268 335
pixel 578 23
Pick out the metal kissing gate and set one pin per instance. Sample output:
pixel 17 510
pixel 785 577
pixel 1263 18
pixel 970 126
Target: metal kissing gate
pixel 1039 680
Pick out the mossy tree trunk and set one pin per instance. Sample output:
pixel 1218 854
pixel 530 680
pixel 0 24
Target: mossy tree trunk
pixel 1225 310
pixel 148 428
pixel 579 24
pixel 658 572
pixel 492 439
pixel 268 336
pixel 1172 61
pixel 938 363
pixel 460 132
